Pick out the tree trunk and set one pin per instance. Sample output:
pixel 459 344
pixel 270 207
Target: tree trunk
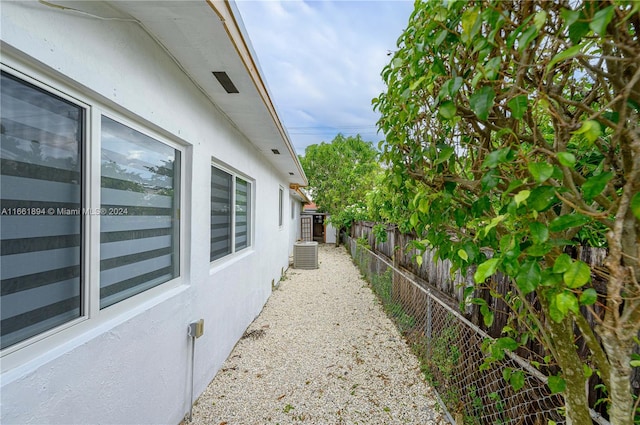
pixel 575 394
pixel 619 353
pixel 622 317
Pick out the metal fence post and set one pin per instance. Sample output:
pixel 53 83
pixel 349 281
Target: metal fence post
pixel 429 323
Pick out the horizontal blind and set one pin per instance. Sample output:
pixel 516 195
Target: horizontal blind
pixel 243 213
pixel 221 210
pixel 40 230
pixel 139 226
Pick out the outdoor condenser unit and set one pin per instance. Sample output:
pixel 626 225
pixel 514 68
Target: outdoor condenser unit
pixel 305 255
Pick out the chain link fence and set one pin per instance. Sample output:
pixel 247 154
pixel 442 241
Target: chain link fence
pixel 450 351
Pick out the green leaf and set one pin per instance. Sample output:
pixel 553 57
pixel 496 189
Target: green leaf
pixel 517 379
pixel 493 223
pixel 506 343
pixel 577 275
pixel 590 129
pixel 539 250
pixel 568 221
pixel 419 260
pixel 485 270
pixel 595 185
pixel 541 198
pixel 491 68
pixel 541 171
pixel 565 54
pixel 518 106
pixel 481 102
pixel 601 19
pixel 450 88
pixel 424 205
pixel 588 372
pixel 506 373
pixel 588 297
pixel 569 16
pixel 550 279
pixel 566 301
pixel 478 301
pixel 577 30
pixel 487 316
pixel 469 27
pixel 540 19
pixel 635 205
pixel 513 185
pixel 555 314
pixel 497 157
pixel 417 83
pixel 455 85
pixel 539 232
pixel 556 384
pixel 521 196
pixel 397 62
pixel 562 263
pixel 463 254
pixel 490 180
pixel 507 242
pixel 447 110
pixel 567 159
pixel 438 66
pixel 529 276
pixel 526 38
pixel 445 154
pixel 414 219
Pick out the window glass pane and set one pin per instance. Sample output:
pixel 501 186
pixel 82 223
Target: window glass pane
pixel 243 213
pixel 221 213
pixel 139 225
pixel 40 187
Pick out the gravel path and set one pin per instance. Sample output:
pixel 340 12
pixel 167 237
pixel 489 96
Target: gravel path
pixel 322 351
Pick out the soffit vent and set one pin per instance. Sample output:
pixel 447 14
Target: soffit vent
pixel 225 81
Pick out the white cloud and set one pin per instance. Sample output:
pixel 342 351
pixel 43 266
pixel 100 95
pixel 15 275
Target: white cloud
pixel 322 61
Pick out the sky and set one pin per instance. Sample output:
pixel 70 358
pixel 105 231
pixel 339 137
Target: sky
pixel 322 61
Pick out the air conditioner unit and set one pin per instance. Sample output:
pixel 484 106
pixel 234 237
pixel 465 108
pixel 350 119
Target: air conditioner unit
pixel 305 255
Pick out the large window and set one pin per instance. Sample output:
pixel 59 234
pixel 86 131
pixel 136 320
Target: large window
pixel 139 191
pixel 40 167
pixel 47 225
pixel 230 213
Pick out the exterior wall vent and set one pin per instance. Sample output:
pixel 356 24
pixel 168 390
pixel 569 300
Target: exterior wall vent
pixel 225 81
pixel 305 255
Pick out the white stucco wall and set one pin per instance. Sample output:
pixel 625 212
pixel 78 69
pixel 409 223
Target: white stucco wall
pixel 294 223
pixel 130 363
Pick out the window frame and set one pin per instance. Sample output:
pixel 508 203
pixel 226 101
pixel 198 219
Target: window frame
pixel 281 207
pixel 234 174
pixel 179 205
pixel 91 315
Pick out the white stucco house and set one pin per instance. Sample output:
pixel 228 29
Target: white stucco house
pixel 146 183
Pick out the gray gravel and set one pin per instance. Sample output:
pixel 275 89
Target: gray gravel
pixel 322 351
